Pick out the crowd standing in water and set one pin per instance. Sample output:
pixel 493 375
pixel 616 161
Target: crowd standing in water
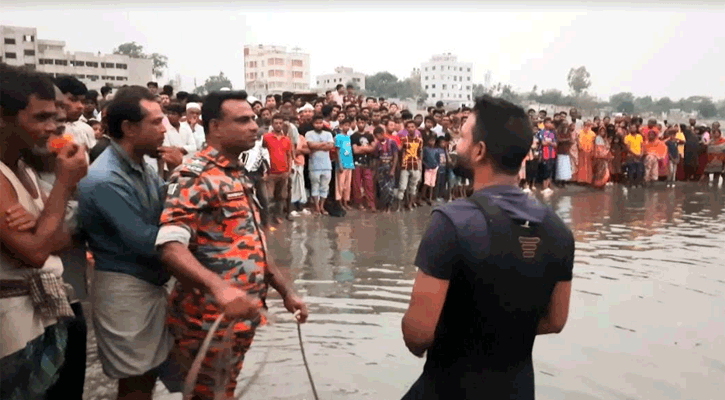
pixel 143 185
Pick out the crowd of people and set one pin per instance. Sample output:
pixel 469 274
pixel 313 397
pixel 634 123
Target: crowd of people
pixel 624 150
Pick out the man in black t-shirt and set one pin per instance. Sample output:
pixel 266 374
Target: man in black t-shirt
pixel 495 270
pixel 363 147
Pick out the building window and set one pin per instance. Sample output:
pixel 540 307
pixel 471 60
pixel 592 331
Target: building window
pixel 444 86
pixel 297 74
pixel 433 95
pixel 91 64
pixel 10 55
pixel 261 74
pixel 426 87
pixel 468 88
pixel 433 68
pixel 455 78
pixel 92 77
pixel 469 70
pixel 296 63
pixel 469 78
pixel 44 61
pixel 270 61
pixel 318 83
pixel 121 78
pixel 29 52
pixel 28 38
pixel 469 97
pixel 9 40
pixel 80 76
pixel 121 66
pixel 356 79
pixel 61 62
pixel 433 86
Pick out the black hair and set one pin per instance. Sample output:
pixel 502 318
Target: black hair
pixel 362 118
pixel 505 129
pixel 465 108
pixel 193 98
pixel 439 104
pixel 92 95
pixel 70 85
pixel 530 110
pixel 326 110
pixel 542 111
pixel 152 83
pixel 349 106
pixel 418 115
pixel 212 107
pixel 548 119
pixel 268 96
pixel 406 114
pixel 339 86
pixel 93 122
pixel 105 90
pixel 278 116
pixel 316 117
pixel 126 106
pixel 328 92
pixel 339 108
pixel 16 87
pixel 168 89
pixel 314 103
pixel 278 99
pixel 410 121
pixel 378 130
pixel 181 96
pixel 176 108
pixel 350 87
pixel 347 121
pixel 381 99
pixel 369 98
pixel 383 109
pixel 429 118
pixel 287 96
pixel 439 112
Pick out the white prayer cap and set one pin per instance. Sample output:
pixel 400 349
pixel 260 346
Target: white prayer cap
pixel 306 107
pixel 252 99
pixel 224 89
pixel 195 106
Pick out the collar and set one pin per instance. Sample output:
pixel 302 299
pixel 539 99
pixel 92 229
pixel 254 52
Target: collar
pixel 125 158
pixel 213 155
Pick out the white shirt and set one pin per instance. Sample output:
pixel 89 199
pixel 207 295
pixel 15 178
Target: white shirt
pixel 197 134
pixel 337 98
pixel 82 134
pixel 438 129
pixel 181 138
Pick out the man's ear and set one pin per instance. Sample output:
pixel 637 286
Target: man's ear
pixel 480 152
pixel 127 127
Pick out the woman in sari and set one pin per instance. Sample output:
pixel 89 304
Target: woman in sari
pixel 715 157
pixel 655 150
pixel 692 145
pixel 619 151
pixel 586 152
pixel 601 157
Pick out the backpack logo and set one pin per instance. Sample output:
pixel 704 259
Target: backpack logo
pixel 529 246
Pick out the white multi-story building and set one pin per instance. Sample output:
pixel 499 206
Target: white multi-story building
pixel 446 79
pixel 342 76
pixel 20 47
pixel 272 70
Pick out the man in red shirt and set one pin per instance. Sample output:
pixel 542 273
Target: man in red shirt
pixel 281 155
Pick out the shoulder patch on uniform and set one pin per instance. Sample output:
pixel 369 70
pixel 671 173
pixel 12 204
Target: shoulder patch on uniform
pixel 193 167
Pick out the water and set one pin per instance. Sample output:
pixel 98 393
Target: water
pixel 647 318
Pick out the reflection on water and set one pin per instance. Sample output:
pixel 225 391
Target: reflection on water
pixel 647 318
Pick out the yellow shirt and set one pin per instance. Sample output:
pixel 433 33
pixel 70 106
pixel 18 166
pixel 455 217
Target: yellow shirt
pixel 681 147
pixel 634 142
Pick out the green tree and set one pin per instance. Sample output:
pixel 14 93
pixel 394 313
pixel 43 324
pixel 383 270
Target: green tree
pixel 706 108
pixel 161 62
pixel 643 104
pixel 551 96
pixel 382 84
pixel 579 80
pixel 622 102
pixel 131 49
pixel 213 84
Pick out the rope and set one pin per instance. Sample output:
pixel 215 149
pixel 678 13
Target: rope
pixel 304 357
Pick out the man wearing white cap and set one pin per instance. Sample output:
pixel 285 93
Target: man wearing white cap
pixel 192 126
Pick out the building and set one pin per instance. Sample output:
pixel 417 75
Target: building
pixel 342 75
pixel 20 46
pixel 273 70
pixel 446 79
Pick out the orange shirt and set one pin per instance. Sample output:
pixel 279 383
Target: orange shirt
pixel 656 147
pixel 586 140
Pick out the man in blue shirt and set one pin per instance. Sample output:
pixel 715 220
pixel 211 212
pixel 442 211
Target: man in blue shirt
pixel 345 166
pixel 120 202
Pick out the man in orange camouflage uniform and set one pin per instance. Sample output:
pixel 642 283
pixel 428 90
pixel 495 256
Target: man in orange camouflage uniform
pixel 212 241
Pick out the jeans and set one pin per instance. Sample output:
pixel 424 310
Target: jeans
pixel 409 180
pixel 320 183
pixel 673 170
pixel 635 171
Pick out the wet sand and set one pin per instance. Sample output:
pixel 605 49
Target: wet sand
pixel 647 319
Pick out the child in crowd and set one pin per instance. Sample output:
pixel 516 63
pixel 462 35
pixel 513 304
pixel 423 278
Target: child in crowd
pixel 97 128
pixel 386 152
pixel 431 161
pixel 674 156
pixel 345 165
pixel 532 166
pixel 442 178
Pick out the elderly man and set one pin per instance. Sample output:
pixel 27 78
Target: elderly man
pixel 192 126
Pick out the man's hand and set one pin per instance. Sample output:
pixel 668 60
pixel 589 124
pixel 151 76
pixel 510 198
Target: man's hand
pixel 19 219
pixel 235 303
pixel 172 156
pixel 294 304
pixel 71 165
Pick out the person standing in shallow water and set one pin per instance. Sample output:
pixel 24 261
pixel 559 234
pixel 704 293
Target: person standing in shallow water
pixel 478 328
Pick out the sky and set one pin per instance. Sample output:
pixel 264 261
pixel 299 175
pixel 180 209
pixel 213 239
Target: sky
pixel 657 48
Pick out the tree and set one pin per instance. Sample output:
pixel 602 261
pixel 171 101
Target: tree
pixel 161 62
pixel 135 50
pixel 578 79
pixel 479 90
pixel 622 102
pixel 382 84
pixel 642 104
pixel 551 96
pixel 213 84
pixel 706 108
pixel 131 49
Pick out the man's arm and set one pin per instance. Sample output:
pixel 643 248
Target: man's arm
pixel 558 310
pixel 421 319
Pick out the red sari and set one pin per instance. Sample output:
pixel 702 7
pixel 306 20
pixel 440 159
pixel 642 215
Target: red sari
pixel 601 158
pixel 585 168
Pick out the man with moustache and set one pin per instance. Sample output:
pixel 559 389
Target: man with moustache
pixel 495 270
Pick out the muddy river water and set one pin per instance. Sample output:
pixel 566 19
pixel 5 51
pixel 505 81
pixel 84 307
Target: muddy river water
pixel 647 317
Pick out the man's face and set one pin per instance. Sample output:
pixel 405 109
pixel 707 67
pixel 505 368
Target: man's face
pixel 549 125
pixel 393 108
pixel 360 125
pixel 410 127
pixel 36 122
pixel 418 120
pixel 257 108
pixel 154 90
pixel 350 91
pixel 265 116
pixel 376 117
pixel 174 118
pixel 73 106
pixel 164 99
pixel 692 121
pixel 341 117
pixel 317 125
pixel 97 131
pixel 438 117
pixel 192 116
pixel 429 124
pixel 89 106
pixel 390 126
pixel 147 135
pixel 277 125
pixel 271 102
pixel 236 127
pixel 651 124
pixel 341 91
pixel 366 112
pixel 542 114
pixel 352 112
pixel 335 113
pixel 345 127
pixel 369 103
pixel 318 108
pixel 466 148
pixel 307 115
pixel 446 122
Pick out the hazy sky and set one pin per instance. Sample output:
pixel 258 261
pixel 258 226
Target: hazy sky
pixel 656 49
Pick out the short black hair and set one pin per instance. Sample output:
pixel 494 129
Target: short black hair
pixel 168 89
pixel 70 85
pixel 506 130
pixel 339 86
pixel 378 130
pixel 277 116
pixel 152 83
pixel 339 108
pixel 212 107
pixel 439 104
pixel 16 87
pixel 405 114
pixel 268 96
pixel 326 110
pixel 438 112
pixel 381 99
pixel 349 106
pixel 542 111
pixel 369 98
pixel 362 118
pixel 429 118
pixel 126 106
pixel 418 115
pixel 92 95
pixel 93 122
pixel 347 121
pixel 182 95
pixel 328 92
pixel 548 119
pixel 176 108
pixel 350 87
pixel 194 98
pixel 316 117
pixel 105 90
